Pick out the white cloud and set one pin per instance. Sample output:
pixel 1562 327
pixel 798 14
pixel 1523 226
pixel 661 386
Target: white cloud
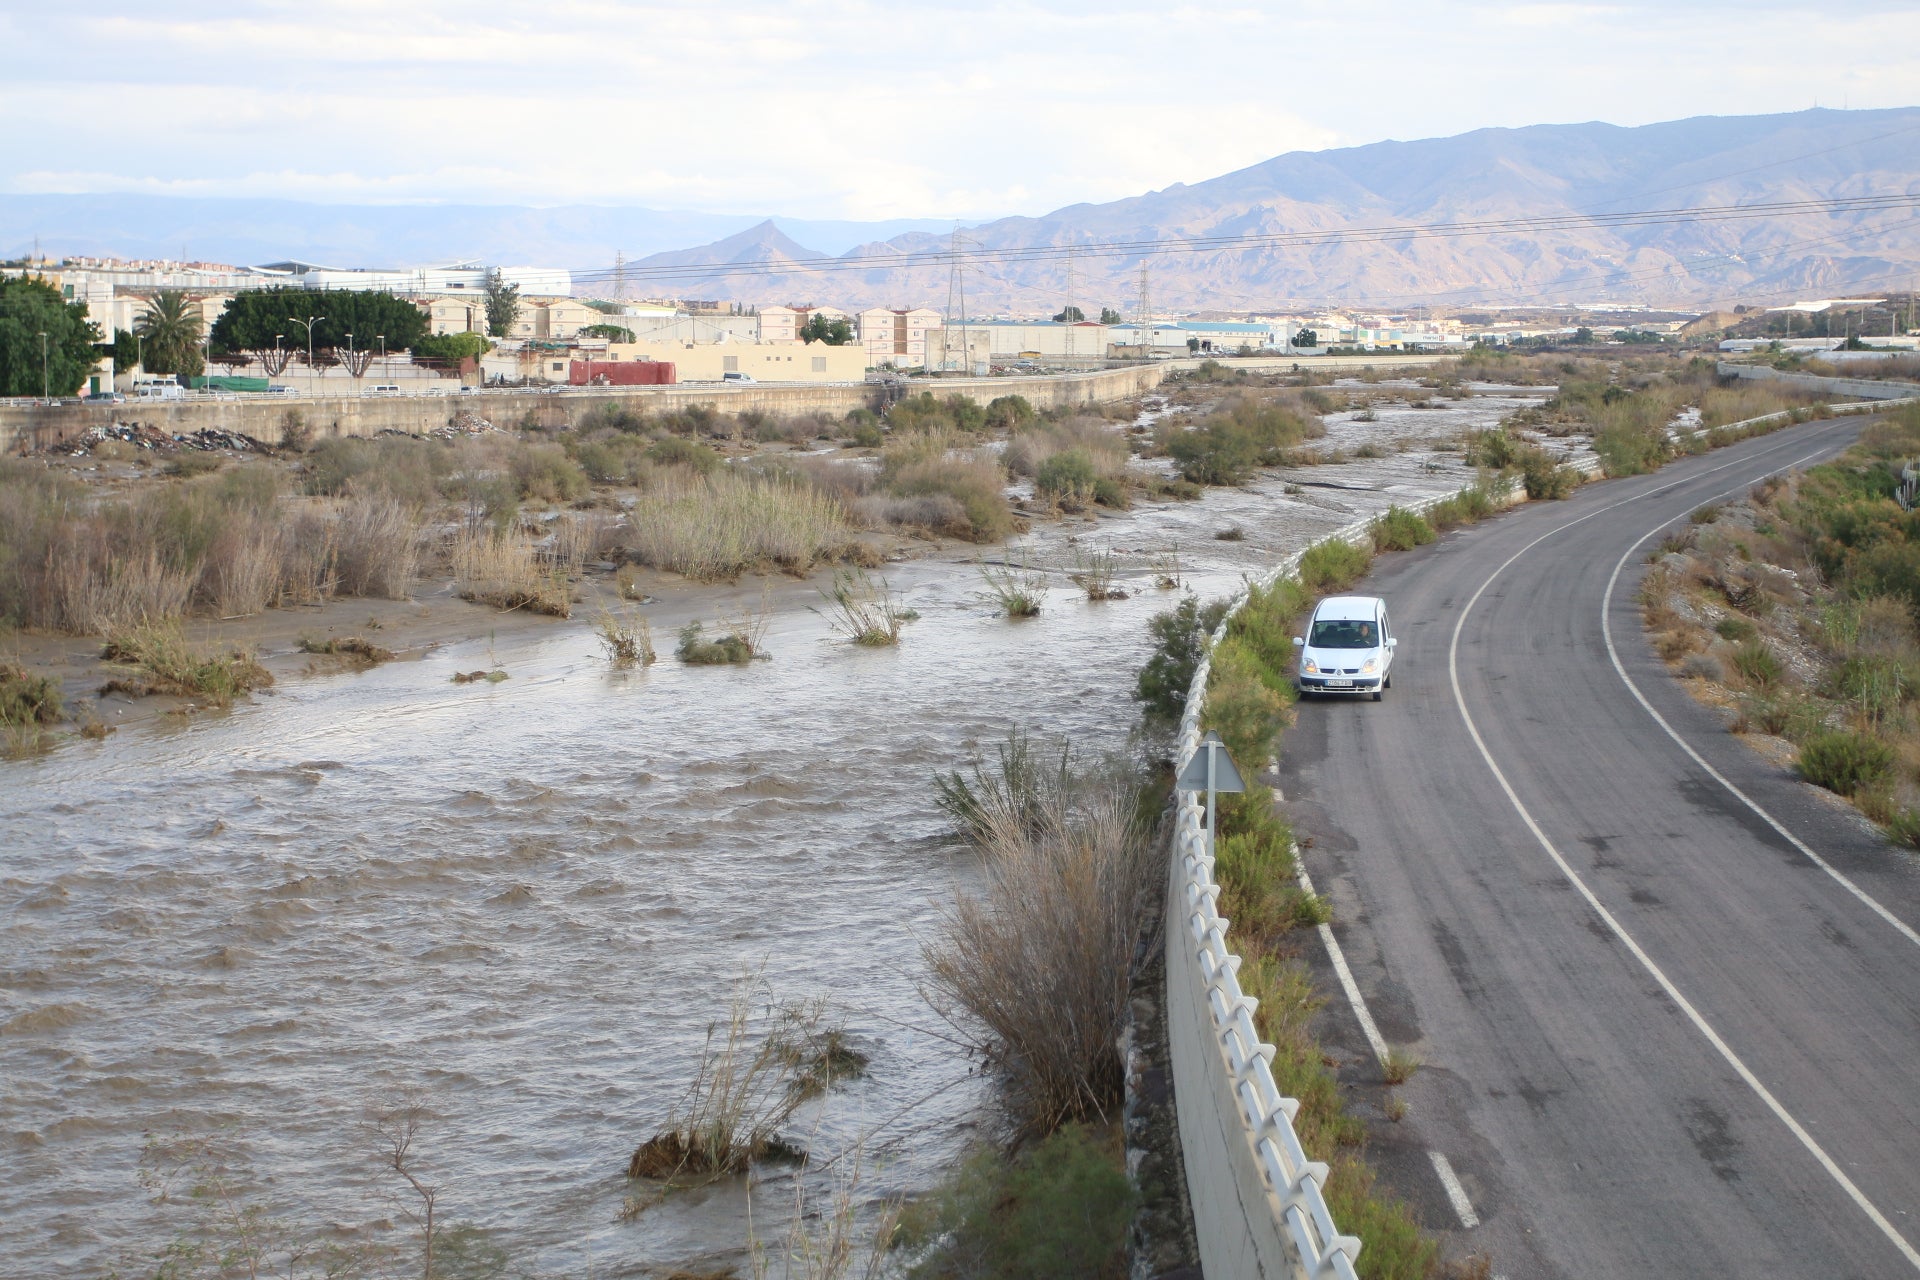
pixel 857 108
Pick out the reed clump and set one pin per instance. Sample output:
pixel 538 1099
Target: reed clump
pixel 865 610
pixel 1034 968
pixel 756 1069
pixel 505 572
pixel 715 528
pixel 626 637
pixel 1017 588
pixel 159 660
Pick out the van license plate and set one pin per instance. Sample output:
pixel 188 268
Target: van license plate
pixel 1339 684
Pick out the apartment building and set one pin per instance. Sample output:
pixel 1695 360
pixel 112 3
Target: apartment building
pixel 896 336
pixel 783 324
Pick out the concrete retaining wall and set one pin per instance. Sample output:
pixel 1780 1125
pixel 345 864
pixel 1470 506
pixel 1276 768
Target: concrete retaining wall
pixel 1864 388
pixel 26 427
pixel 1236 1218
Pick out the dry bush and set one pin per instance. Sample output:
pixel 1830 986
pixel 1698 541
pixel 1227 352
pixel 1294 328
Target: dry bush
pixel 714 528
pixel 578 537
pixel 1032 445
pixel 503 571
pixel 1034 968
pixel 376 547
pixel 626 637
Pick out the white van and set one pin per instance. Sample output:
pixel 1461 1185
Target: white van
pixel 160 387
pixel 1348 648
pixel 387 389
pixel 738 379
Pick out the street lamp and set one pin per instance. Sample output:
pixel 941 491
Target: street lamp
pixel 309 322
pixel 46 384
pixel 351 368
pixel 276 354
pixel 386 374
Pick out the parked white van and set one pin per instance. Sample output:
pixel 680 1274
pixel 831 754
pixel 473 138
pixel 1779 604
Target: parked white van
pixel 159 387
pixel 1348 648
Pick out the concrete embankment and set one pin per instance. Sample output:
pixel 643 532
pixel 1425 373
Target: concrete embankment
pixel 27 427
pixel 1864 388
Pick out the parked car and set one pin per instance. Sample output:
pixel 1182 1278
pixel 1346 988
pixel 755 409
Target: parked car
pixel 104 397
pixel 386 389
pixel 738 379
pixel 1348 648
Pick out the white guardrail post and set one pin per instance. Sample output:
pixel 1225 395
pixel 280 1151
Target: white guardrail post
pixel 1257 1199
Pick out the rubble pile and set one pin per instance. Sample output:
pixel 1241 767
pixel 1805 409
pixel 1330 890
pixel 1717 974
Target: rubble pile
pixel 144 436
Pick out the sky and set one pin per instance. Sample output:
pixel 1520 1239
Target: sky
pixel 855 108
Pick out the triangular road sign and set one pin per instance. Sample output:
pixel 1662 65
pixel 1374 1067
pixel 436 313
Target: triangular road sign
pixel 1226 778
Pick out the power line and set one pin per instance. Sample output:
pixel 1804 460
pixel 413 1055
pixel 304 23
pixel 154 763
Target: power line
pixel 902 261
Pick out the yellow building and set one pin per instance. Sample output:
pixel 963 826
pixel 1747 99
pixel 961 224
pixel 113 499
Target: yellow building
pixel 761 361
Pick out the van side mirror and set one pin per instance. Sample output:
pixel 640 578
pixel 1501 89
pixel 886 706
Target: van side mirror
pixel 1392 642
pixel 1299 641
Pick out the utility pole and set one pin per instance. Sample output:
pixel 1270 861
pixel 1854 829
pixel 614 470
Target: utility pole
pixel 1146 313
pixel 957 299
pixel 1073 288
pixel 46 379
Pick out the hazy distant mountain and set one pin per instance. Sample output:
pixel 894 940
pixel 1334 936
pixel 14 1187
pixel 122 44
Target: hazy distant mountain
pixel 243 232
pixel 1490 173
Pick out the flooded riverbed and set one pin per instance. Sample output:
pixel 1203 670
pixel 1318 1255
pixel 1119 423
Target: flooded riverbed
pixel 529 899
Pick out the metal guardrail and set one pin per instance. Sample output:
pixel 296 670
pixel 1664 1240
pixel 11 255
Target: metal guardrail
pixel 1265 1117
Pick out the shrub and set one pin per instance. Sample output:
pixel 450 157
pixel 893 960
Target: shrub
pixel 1067 478
pixel 977 484
pixel 25 698
pixel 1401 530
pixel 1005 413
pixel 1333 565
pixel 1179 639
pixel 1757 664
pixel 1736 629
pixel 1242 706
pixel 864 429
pixel 1225 446
pixel 1846 762
pixel 737 643
pixel 1060 1208
pixel 1544 479
pixel 864 611
pixel 674 451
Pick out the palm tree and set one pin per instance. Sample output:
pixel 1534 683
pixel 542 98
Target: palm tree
pixel 170 329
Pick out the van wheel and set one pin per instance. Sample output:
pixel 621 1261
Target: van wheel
pixel 1376 695
pixel 1387 683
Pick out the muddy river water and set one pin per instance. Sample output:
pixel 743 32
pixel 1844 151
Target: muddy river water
pixel 530 899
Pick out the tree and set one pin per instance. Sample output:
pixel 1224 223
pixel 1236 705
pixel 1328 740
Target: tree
pixel 835 333
pixel 170 327
pixel 57 365
pixel 1072 315
pixel 271 324
pixel 611 332
pixel 503 304
pixel 1306 338
pixel 1109 316
pixel 1583 334
pixel 451 347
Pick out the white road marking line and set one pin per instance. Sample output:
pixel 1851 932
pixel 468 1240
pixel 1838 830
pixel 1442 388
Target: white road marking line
pixel 1462 1207
pixel 1646 961
pixel 1606 633
pixel 1347 983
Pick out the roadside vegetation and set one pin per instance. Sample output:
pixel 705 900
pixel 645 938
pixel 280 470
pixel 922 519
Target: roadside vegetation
pixel 1798 610
pixel 1249 703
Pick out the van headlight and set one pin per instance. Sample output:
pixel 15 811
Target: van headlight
pixel 1368 665
pixel 1309 666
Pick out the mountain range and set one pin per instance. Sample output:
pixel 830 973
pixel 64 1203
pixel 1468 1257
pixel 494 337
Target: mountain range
pixel 1406 193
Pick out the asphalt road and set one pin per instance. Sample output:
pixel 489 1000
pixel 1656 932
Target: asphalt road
pixel 1660 1038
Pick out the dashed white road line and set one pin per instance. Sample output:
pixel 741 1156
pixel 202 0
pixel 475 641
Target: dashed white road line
pixel 1613 925
pixel 1352 988
pixel 1462 1207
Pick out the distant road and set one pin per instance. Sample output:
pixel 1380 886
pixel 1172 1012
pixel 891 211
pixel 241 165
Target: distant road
pixel 1661 1039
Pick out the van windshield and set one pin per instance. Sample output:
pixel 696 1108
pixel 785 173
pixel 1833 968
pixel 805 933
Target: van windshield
pixel 1344 633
